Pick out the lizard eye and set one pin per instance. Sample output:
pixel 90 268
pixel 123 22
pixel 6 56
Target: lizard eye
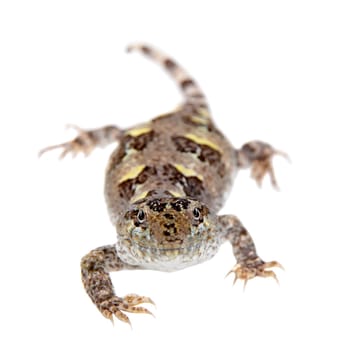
pixel 196 213
pixel 141 216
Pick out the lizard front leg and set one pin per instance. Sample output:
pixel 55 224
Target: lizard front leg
pixel 258 155
pixel 249 264
pixel 87 140
pixel 95 268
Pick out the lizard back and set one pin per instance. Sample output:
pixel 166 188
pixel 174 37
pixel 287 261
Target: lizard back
pixel 179 154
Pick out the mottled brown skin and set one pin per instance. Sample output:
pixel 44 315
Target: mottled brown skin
pixel 165 183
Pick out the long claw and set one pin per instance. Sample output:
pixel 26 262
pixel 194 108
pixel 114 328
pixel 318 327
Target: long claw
pixel 283 154
pixel 273 264
pixel 49 148
pixel 229 273
pixel 64 153
pixel 143 310
pixel 122 317
pixel 245 284
pixel 75 127
pixel 136 310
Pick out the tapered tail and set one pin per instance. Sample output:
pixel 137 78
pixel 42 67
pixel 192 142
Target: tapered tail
pixel 192 93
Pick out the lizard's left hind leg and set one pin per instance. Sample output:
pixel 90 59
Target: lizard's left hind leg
pixel 258 155
pixel 87 140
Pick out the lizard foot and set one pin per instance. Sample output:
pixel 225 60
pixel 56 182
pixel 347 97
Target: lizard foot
pixel 83 143
pixel 259 155
pixel 115 307
pixel 250 269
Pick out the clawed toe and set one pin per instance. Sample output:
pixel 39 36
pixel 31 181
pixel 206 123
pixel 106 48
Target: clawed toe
pixel 259 268
pixel 116 307
pixel 134 299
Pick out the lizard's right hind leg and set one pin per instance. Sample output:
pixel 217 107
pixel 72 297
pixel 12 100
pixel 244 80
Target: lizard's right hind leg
pixel 87 140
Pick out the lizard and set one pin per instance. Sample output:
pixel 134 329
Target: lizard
pixel 165 183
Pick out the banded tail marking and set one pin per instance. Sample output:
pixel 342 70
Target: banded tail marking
pixel 192 92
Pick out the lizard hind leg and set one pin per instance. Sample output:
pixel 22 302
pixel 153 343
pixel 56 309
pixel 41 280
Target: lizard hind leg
pixel 86 141
pixel 258 155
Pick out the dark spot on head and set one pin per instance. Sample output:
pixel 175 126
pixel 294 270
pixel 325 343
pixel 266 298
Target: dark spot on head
pixel 171 225
pixel 170 229
pixel 157 205
pixel 180 204
pixel 169 216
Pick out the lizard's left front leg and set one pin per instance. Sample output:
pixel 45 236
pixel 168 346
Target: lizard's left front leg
pixel 95 268
pixel 249 264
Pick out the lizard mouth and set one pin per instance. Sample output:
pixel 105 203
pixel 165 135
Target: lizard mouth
pixel 168 251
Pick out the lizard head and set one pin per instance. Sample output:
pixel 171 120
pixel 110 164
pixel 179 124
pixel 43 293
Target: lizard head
pixel 166 230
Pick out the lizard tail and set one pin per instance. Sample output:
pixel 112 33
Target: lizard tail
pixel 192 92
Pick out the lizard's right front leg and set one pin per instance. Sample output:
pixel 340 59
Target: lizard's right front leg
pixel 95 268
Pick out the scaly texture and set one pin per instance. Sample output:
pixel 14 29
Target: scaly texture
pixel 165 183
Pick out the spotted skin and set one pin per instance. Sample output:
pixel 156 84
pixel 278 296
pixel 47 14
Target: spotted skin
pixel 165 183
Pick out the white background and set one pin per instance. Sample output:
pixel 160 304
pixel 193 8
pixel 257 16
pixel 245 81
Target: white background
pixel 273 70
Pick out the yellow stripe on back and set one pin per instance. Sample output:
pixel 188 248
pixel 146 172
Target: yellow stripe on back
pixel 132 173
pixel 199 120
pixel 139 196
pixel 203 141
pixel 204 112
pixel 176 194
pixel 187 172
pixel 138 131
